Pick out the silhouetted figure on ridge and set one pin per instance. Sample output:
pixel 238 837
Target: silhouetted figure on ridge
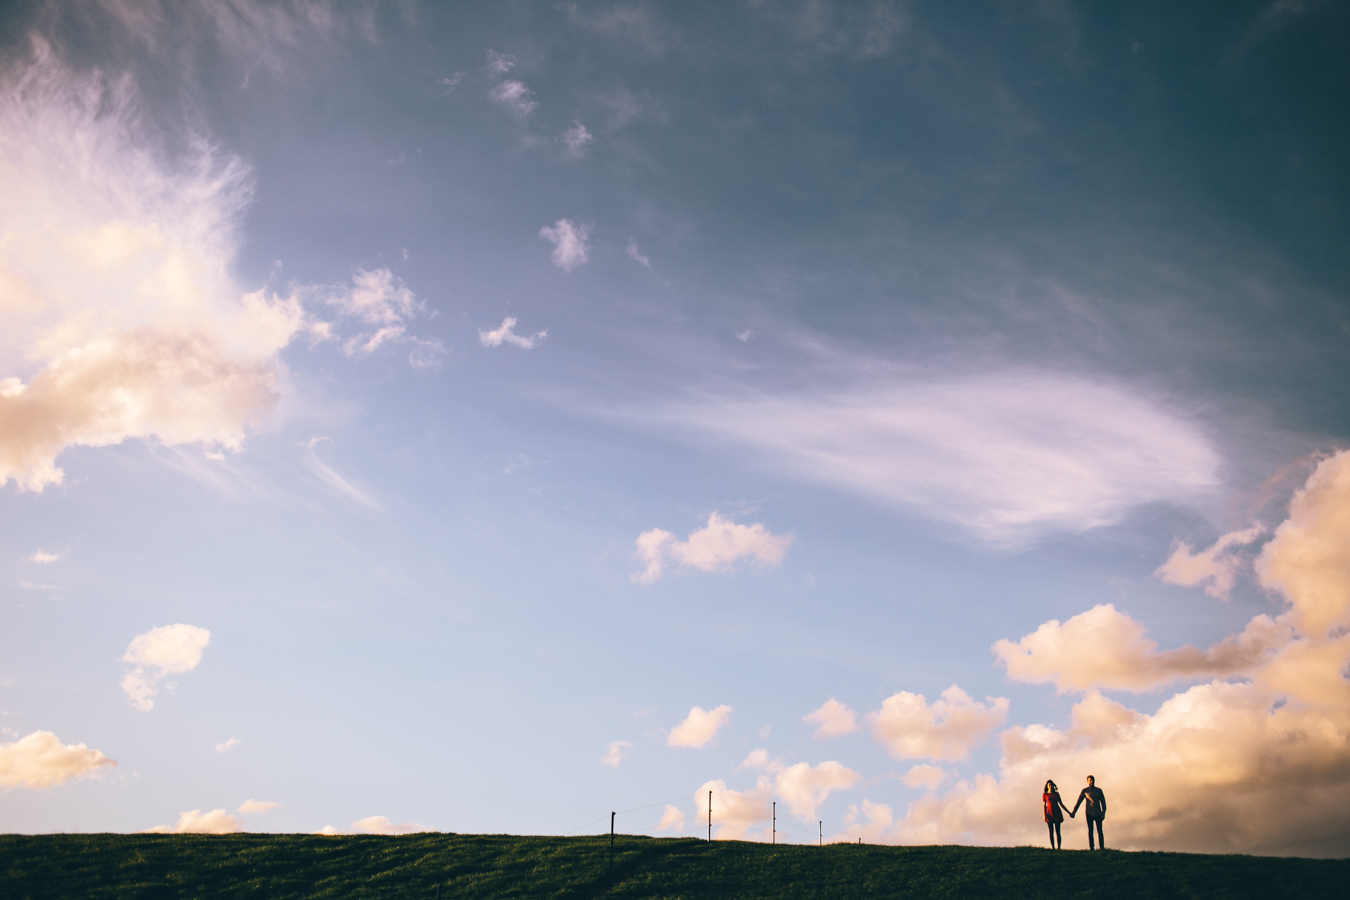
pixel 1053 815
pixel 1096 810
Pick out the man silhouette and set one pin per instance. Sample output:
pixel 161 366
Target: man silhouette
pixel 1096 810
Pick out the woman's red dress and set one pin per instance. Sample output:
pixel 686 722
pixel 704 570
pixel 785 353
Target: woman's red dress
pixel 1052 810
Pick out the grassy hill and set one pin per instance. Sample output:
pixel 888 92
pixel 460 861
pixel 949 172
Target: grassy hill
pixel 286 866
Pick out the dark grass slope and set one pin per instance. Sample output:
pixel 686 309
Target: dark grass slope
pixel 291 866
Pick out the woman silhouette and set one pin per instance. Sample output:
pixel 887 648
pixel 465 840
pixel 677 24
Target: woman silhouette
pixel 1053 817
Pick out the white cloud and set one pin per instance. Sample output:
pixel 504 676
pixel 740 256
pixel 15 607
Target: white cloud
pixel 1105 648
pixel 217 821
pixel 42 557
pixel 1217 565
pixel 499 64
pixel 736 815
pixel 36 585
pixel 715 547
pixel 747 815
pixel 745 336
pixel 925 776
pixel 258 806
pixel 448 85
pixel 577 139
pixel 1257 765
pixel 1004 457
pixel 569 243
pixel 121 318
pixel 163 651
pixel 515 96
pixel 671 818
pixel 383 825
pixel 805 787
pixel 379 299
pixel 40 760
pixel 329 830
pixel 227 746
pixel 699 727
pixel 833 719
pixel 909 727
pixel 635 253
pixel 614 753
pixel 504 334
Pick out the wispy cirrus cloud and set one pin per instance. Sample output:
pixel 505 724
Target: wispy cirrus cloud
pixel 505 334
pixel 514 96
pixel 569 240
pixel 1004 457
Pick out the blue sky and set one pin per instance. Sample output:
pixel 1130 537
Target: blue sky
pixel 481 420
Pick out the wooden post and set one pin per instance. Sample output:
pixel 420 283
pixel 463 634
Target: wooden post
pixel 611 849
pixel 774 840
pixel 820 836
pixel 709 815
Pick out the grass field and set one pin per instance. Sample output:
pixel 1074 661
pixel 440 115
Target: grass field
pixel 286 866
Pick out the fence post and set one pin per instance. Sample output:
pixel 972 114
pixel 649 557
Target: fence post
pixel 820 835
pixel 774 840
pixel 710 815
pixel 611 849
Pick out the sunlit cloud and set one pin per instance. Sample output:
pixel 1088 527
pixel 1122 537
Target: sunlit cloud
pixel 614 753
pixel 257 806
pixel 832 719
pixel 715 547
pixel 699 727
pixel 227 746
pixel 42 557
pixel 1218 565
pixel 217 821
pixel 569 243
pixel 1252 765
pixel 1006 458
pixel 505 335
pixel 40 760
pixel 383 825
pixel 160 652
pixel 949 728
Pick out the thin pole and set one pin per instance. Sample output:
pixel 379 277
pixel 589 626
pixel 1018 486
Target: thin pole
pixel 709 815
pixel 820 836
pixel 775 822
pixel 611 848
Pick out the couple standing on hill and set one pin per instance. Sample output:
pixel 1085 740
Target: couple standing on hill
pixel 1096 811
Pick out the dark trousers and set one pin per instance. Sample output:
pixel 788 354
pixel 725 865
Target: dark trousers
pixel 1101 841
pixel 1056 839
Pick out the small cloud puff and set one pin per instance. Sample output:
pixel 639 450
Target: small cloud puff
pixel 40 760
pixel 1217 565
pixel 498 64
pixel 167 650
pixel 715 547
pixel 614 753
pixel 505 335
pixel 576 139
pixel 258 806
pixel 636 255
pixel 227 746
pixel 217 821
pixel 834 719
pixel 515 96
pixel 569 243
pixel 699 727
pixel 42 557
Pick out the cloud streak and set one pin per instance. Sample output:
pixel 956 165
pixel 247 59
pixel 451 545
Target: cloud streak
pixel 506 335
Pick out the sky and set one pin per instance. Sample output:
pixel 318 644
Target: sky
pixel 424 416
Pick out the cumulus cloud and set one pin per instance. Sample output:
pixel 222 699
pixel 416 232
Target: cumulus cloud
pixel 160 652
pixel 636 255
pixel 699 727
pixel 576 139
pixel 1005 457
pixel 1105 648
pixel 515 96
pixel 736 815
pixel 802 786
pixel 258 806
pixel 614 753
pixel 505 334
pixel 379 300
pixel 42 557
pixel 120 317
pixel 40 760
pixel 833 719
pixel 671 818
pixel 1217 565
pixel 227 746
pixel 1256 765
pixel 217 821
pixel 383 825
pixel 715 547
pixel 925 776
pixel 948 728
pixel 569 243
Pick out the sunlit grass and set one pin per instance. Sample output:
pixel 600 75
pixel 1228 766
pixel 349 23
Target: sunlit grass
pixel 286 866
